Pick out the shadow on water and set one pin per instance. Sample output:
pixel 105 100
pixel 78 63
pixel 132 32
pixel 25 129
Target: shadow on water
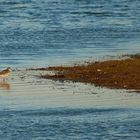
pixel 4 85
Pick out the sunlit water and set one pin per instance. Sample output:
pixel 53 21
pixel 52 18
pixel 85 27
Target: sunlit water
pixel 52 32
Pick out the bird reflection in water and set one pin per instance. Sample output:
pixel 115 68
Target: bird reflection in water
pixel 4 85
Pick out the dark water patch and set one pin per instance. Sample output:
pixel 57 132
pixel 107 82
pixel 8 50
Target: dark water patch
pixel 15 2
pixel 3 11
pixel 93 13
pixel 68 112
pixel 59 112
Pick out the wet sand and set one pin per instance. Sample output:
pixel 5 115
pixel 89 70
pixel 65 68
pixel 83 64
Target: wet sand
pixel 117 74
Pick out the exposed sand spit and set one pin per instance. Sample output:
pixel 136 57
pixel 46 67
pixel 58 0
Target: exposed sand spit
pixel 120 74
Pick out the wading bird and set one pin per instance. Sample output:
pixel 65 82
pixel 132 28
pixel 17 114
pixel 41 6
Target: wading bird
pixel 5 73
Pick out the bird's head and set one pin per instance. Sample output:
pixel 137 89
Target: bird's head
pixel 8 68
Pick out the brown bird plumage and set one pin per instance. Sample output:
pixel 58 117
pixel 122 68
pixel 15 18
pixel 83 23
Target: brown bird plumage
pixel 5 73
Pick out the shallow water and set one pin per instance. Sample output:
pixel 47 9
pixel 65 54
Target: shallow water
pixel 37 33
pixel 23 90
pixel 52 32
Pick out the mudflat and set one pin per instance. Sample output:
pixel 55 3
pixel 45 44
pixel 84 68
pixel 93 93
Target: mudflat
pixel 119 74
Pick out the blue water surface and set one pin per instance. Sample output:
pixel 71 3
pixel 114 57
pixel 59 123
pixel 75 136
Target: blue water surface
pixel 67 123
pixel 50 32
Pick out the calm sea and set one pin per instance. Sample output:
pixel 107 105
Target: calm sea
pixel 54 32
pixel 70 124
